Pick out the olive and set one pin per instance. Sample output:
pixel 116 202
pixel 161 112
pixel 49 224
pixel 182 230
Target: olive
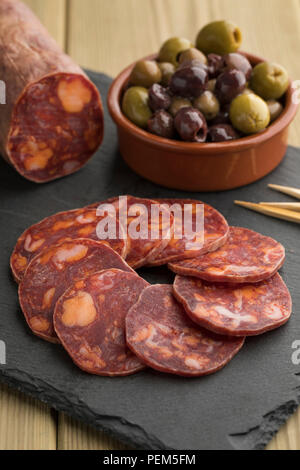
pixel 162 124
pixel 226 107
pixel 211 84
pixel 135 106
pixel 208 104
pixel 219 37
pixel 167 69
pixel 221 118
pixel 247 91
pixel 249 113
pixel 192 54
pixel 159 97
pixel 238 62
pixel 191 125
pixel 145 73
pixel 275 109
pixel 172 48
pixel 178 103
pixel 189 81
pixel 215 64
pixel 222 133
pixel 270 81
pixel 192 63
pixel 230 84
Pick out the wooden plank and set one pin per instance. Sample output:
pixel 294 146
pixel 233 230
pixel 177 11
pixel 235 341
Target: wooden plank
pixel 52 14
pixel 26 423
pixel 288 438
pixel 107 36
pixel 73 435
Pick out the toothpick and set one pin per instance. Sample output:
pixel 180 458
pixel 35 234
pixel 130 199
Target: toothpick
pixel 283 214
pixel 293 206
pixel 294 192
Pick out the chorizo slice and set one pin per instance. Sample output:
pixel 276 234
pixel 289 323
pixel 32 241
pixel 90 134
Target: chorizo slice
pixel 52 122
pixel 160 333
pixel 78 223
pixel 149 227
pixel 235 309
pixel 89 319
pixel 212 236
pixel 51 272
pixel 247 256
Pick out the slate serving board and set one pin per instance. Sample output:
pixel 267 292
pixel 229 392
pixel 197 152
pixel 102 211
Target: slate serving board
pixel 240 407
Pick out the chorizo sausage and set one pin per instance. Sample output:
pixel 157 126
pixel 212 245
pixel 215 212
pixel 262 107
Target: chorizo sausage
pixel 215 232
pixel 78 223
pixel 160 333
pixel 52 122
pixel 247 256
pixel 51 272
pixel 89 319
pixel 148 231
pixel 235 309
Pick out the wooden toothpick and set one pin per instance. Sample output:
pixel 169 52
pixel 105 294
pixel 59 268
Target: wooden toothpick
pixel 294 192
pixel 278 213
pixel 292 206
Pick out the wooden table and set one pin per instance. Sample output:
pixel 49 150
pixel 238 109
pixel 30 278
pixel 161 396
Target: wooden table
pixel 106 35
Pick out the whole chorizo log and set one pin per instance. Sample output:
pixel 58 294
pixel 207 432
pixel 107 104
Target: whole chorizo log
pixel 52 122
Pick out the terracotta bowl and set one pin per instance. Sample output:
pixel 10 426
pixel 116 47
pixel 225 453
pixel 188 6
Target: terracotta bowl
pixel 200 167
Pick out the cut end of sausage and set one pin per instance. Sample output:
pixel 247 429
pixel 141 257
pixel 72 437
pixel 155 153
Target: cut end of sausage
pixel 57 125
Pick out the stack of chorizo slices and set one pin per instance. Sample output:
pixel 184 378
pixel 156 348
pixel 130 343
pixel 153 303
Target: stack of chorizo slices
pixel 80 289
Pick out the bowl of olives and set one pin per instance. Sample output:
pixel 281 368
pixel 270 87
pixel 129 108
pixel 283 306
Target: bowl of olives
pixel 203 116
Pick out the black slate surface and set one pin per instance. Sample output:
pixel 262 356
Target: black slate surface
pixel 240 407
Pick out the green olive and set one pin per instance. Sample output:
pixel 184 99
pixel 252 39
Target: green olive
pixel 167 70
pixel 249 113
pixel 275 109
pixel 135 106
pixel 172 48
pixel 178 103
pixel 192 54
pixel 247 91
pixel 208 104
pixel 269 80
pixel 145 73
pixel 219 37
pixel 211 85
